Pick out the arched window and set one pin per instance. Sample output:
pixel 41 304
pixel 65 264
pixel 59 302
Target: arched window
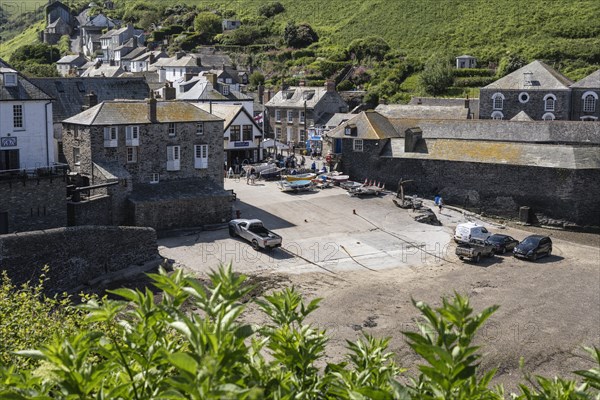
pixel 548 117
pixel 498 101
pixel 497 115
pixel 549 102
pixel 589 101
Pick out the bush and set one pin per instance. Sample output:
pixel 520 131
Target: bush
pixel 243 36
pixel 299 36
pixel 437 76
pixel 270 10
pixel 256 78
pixel 39 53
pixel 143 347
pixel 208 24
pixel 472 72
pixel 475 81
pixel 345 85
pixel 371 46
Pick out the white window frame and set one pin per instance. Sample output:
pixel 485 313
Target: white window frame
pixel 302 117
pixel 277 115
pixel 549 102
pixel 588 100
pixel 10 79
pixel 277 133
pixel 357 145
pixel 173 158
pixel 155 177
pixel 497 115
pixel 523 97
pixel 498 101
pixel 290 117
pixel 588 118
pixel 111 136
pixel 199 128
pixel 302 136
pixel 201 156
pixel 548 117
pixel 131 152
pixel 18 117
pixel 76 156
pixel 225 90
pixel 172 129
pixel 132 135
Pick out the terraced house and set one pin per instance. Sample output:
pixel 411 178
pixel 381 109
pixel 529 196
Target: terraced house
pixel 159 164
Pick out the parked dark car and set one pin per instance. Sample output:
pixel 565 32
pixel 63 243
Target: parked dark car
pixel 534 246
pixel 502 243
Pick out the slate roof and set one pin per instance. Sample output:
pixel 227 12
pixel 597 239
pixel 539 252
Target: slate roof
pixel 25 89
pixel 70 59
pixel 544 78
pixel 491 152
pixel 369 125
pixel 338 118
pixel 107 71
pixel 68 93
pixel 227 112
pixel 294 97
pixel 521 116
pixel 185 61
pixel 423 112
pixel 465 56
pixel 592 81
pixel 123 112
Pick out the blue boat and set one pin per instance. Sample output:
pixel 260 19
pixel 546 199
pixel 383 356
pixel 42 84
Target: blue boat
pixel 294 186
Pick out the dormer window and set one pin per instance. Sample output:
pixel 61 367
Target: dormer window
pixel 10 79
pixel 308 95
pixel 288 94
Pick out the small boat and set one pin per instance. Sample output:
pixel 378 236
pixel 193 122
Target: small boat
pixel 368 187
pixel 258 168
pixel 294 186
pixel 270 173
pixel 300 177
pixel 350 185
pixel 338 179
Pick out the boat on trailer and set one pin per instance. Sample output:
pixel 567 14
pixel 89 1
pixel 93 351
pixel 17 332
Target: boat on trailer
pixel 295 186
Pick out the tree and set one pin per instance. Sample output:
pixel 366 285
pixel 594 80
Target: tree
pixel 437 76
pixel 208 24
pixel 271 9
pixel 39 53
pixel 64 44
pixel 256 78
pixel 371 46
pixel 508 64
pixel 299 36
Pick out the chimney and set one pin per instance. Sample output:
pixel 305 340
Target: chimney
pixel 151 58
pixel 198 61
pixel 89 101
pixel 261 93
pixel 188 76
pixel 212 78
pixel 330 85
pixel 168 91
pixel 527 78
pixel 152 107
pixel 284 86
pixel 302 82
pixel 266 96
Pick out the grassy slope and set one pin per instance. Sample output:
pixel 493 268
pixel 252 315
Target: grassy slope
pixel 555 30
pixel 28 36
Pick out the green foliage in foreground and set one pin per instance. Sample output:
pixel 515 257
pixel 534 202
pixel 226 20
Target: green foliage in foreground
pixel 153 347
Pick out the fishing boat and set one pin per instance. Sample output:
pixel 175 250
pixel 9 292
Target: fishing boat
pixel 300 177
pixel 258 168
pixel 338 179
pixel 294 186
pixel 367 188
pixel 271 173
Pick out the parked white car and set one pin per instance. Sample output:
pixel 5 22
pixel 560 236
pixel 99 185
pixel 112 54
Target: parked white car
pixel 254 231
pixel 466 232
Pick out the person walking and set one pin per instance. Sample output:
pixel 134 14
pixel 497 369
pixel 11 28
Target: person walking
pixel 439 202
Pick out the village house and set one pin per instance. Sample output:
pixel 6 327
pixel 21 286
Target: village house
pixel 494 167
pixel 91 30
pixel 466 61
pixel 231 24
pixel 241 136
pixel 295 110
pixel 71 65
pixel 32 188
pixel 70 96
pixel 174 68
pixel 158 164
pixel 116 42
pixel 59 22
pixel 584 98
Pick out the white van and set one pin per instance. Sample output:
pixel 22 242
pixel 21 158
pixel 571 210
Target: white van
pixel 469 231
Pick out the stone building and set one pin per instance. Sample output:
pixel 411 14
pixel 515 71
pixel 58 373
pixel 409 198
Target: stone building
pixel 585 96
pixel 536 89
pixel 295 110
pixel 71 65
pixel 59 22
pixel 489 166
pixel 466 61
pixel 160 164
pixel 32 188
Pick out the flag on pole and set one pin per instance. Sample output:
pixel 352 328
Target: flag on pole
pixel 259 118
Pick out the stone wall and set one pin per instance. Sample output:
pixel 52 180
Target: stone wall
pixel 534 107
pixel 93 211
pixel 569 195
pixel 75 255
pixel 183 212
pixel 34 203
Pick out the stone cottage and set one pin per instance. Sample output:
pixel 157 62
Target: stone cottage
pixel 155 163
pixel 295 110
pixel 584 98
